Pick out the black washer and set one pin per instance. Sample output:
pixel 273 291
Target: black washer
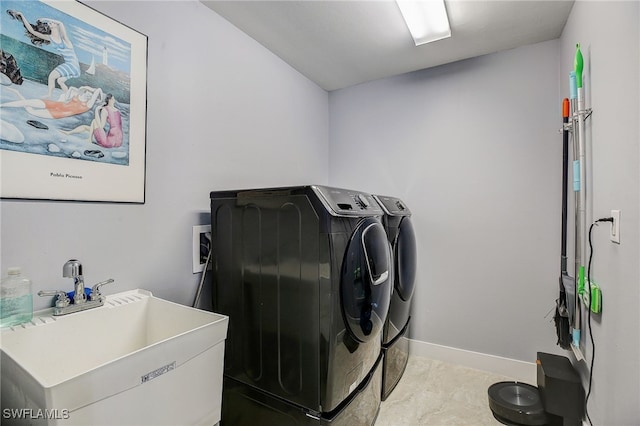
pixel 304 275
pixel 401 237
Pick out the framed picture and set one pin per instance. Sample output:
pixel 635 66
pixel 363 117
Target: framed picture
pixel 72 104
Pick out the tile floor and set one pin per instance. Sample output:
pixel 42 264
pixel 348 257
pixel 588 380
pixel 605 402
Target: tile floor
pixel 435 393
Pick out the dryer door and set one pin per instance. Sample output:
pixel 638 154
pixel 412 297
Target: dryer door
pixel 405 256
pixel 365 282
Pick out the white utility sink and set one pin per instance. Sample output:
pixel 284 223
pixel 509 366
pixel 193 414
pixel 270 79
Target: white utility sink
pixel 137 360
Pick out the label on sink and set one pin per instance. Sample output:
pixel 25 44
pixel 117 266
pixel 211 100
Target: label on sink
pixel 158 372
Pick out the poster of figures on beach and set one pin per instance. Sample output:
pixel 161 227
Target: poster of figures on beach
pixel 72 104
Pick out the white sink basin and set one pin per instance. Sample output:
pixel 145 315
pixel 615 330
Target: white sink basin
pixel 136 360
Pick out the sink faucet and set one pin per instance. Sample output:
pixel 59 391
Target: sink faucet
pixel 73 269
pixel 63 305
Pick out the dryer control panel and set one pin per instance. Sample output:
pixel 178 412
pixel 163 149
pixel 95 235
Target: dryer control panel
pixel 393 206
pixel 345 202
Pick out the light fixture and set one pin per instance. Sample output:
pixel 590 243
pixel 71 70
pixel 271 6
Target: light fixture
pixel 427 20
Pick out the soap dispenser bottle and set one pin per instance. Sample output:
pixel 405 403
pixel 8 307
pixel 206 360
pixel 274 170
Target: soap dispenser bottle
pixel 16 300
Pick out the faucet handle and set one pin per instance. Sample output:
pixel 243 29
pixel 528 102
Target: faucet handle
pixel 62 300
pixel 95 290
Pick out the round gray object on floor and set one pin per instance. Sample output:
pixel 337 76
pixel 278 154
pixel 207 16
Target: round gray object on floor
pixel 514 403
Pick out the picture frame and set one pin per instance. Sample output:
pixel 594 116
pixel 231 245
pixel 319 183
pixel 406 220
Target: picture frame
pixel 73 104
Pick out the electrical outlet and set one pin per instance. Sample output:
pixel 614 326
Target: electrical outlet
pixel 201 246
pixel 615 226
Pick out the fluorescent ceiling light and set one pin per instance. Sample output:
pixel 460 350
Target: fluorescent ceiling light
pixel 427 20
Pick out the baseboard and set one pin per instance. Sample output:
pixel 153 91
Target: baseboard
pixel 516 370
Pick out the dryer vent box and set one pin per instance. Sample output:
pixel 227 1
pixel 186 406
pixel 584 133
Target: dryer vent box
pixel 560 386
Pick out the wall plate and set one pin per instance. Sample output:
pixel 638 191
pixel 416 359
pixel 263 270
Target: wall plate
pixel 615 227
pixel 201 246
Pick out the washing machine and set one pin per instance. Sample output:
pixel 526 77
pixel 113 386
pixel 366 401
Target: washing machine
pixel 304 275
pixel 401 236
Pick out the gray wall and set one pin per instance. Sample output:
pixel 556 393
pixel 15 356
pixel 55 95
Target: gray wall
pixel 474 150
pixel 223 112
pixel 608 33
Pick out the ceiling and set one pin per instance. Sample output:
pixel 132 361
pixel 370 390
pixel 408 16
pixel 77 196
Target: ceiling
pixel 341 43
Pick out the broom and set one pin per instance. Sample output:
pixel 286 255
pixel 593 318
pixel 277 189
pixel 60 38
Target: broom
pixel 562 316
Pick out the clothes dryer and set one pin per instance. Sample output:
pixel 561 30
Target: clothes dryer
pixel 401 236
pixel 303 274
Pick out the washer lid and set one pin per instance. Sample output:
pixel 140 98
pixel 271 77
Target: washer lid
pixel 365 283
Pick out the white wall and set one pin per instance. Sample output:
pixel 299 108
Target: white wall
pixel 609 35
pixel 473 149
pixel 223 112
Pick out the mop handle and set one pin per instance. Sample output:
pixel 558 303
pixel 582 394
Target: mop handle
pixel 565 178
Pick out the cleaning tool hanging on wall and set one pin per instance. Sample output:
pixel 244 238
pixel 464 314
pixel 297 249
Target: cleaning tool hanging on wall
pixel 573 106
pixel 581 205
pixel 564 310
